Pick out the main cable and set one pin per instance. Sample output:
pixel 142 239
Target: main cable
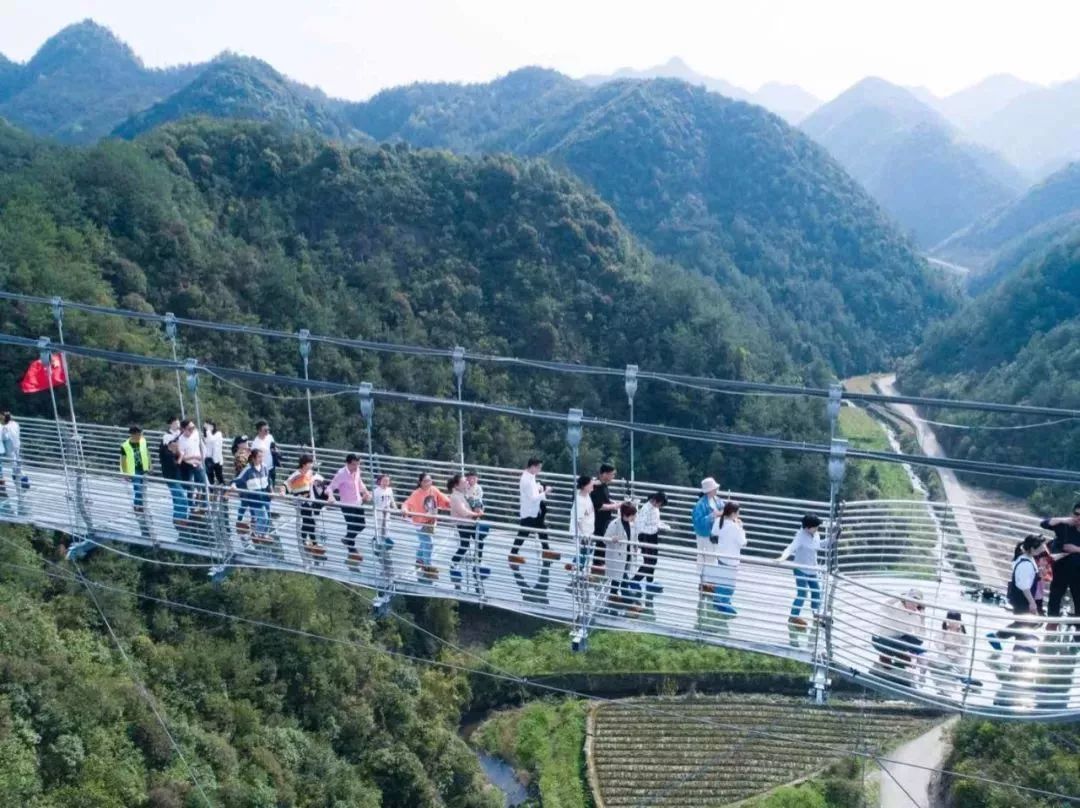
pixel 698 382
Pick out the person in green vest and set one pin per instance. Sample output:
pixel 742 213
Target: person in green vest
pixel 135 463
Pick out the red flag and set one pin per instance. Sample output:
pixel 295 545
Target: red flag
pixel 36 379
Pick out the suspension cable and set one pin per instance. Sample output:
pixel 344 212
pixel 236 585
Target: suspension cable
pixel 1066 476
pixel 701 382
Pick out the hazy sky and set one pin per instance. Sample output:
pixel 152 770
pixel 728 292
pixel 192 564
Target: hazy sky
pixel 353 49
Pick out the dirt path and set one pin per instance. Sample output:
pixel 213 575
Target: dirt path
pixel 926 750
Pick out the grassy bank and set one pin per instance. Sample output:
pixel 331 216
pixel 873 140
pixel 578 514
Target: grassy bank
pixel 546 739
pixel 884 480
pixel 548 652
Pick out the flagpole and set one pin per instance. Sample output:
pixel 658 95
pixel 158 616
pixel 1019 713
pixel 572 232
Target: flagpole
pixel 58 315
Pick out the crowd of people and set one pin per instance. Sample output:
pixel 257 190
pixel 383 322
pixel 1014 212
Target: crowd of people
pixel 617 540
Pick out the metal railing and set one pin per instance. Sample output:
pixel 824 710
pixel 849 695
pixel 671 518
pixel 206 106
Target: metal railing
pixel 886 549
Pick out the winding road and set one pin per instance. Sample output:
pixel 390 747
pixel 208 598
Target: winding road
pixel 956 493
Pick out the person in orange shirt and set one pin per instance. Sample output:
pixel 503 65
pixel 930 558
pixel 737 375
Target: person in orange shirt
pixel 422 508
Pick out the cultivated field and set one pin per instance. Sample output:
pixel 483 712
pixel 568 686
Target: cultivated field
pixel 713 751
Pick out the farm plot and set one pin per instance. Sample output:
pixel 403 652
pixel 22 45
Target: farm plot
pixel 711 751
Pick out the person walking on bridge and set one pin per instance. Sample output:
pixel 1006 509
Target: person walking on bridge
pixel 348 485
pixel 465 518
pixel 728 538
pixel 709 508
pixel 532 508
pixel 1066 551
pixel 253 483
pixel 649 526
pixel 11 450
pixel 135 464
pixel 1023 586
pixel 584 516
pixel 422 508
pixel 169 461
pixel 192 458
pixel 215 459
pixel 803 551
pixel 605 508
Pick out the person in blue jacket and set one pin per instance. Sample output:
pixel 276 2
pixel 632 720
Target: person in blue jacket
pixel 708 509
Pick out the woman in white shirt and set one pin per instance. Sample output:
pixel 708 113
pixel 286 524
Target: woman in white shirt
pixel 728 538
pixel 584 516
pixel 649 527
pixel 384 505
pixel 212 441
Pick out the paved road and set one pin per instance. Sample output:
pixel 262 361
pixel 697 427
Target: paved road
pixel 978 548
pixel 926 750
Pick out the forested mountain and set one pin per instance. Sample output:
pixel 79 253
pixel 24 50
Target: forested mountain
pixel 911 160
pixel 241 87
pixel 81 83
pixel 722 187
pixel 1018 342
pixel 970 107
pixel 241 222
pixel 1038 131
pixel 1047 209
pixel 789 101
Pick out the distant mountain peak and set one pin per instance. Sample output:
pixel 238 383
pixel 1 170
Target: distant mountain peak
pixel 82 42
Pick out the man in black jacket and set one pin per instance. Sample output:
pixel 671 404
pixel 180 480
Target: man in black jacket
pixel 1066 550
pixel 169 462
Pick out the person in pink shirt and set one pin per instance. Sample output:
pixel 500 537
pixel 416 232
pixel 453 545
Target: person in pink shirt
pixel 351 494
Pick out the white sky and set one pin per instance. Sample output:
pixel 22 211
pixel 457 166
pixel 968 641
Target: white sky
pixel 353 49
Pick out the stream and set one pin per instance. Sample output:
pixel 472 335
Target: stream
pixel 497 771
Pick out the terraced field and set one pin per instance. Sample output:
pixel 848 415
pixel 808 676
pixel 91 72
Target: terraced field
pixel 709 751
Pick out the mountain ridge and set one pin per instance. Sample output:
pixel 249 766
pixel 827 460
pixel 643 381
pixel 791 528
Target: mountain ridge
pixel 911 159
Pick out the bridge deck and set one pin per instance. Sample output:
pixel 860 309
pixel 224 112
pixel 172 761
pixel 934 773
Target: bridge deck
pixel 887 548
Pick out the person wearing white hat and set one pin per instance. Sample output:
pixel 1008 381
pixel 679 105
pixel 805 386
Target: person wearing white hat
pixel 708 509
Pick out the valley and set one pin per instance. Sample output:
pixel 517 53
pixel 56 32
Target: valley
pixel 903 239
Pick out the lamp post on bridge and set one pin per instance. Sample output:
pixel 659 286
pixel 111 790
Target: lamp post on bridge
pixel 170 334
pixel 381 605
pixel 579 637
pixel 304 337
pixel 458 361
pixel 823 655
pixel 631 390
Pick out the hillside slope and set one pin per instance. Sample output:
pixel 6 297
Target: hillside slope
pixel 1045 210
pixel 1014 343
pixel 911 160
pixel 728 189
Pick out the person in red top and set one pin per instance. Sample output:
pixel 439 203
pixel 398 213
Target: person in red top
pixel 422 508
